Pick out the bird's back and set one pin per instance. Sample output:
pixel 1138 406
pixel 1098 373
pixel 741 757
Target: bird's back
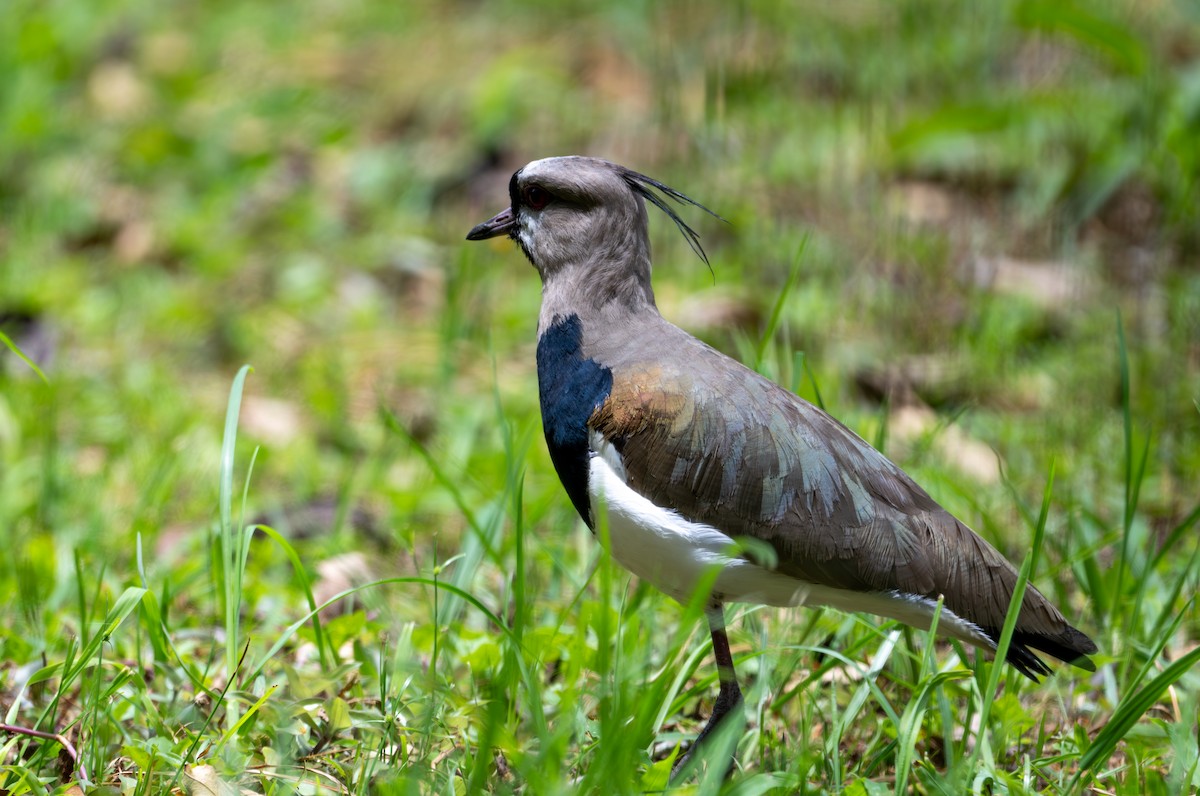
pixel 703 435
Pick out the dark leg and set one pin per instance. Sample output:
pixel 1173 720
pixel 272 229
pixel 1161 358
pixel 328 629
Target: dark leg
pixel 729 697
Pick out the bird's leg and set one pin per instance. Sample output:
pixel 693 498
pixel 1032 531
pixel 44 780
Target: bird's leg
pixel 729 698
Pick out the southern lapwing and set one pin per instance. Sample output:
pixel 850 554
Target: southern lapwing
pixel 686 451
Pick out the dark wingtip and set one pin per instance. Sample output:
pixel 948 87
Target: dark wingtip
pixel 1024 661
pixel 1071 647
pixel 642 185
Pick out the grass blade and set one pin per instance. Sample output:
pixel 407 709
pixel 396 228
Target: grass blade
pixel 780 302
pixel 1130 709
pixel 21 355
pixel 230 559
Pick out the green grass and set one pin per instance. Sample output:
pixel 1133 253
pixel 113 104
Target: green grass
pixel 184 191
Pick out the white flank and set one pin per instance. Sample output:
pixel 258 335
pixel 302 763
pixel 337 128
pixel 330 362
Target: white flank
pixel 675 555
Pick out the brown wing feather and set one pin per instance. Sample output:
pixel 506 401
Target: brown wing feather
pixel 726 447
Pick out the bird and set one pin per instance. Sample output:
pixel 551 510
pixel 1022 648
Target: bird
pixel 696 463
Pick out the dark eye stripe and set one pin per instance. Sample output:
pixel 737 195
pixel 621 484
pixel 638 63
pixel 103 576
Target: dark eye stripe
pixel 513 190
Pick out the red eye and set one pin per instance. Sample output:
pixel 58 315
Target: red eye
pixel 536 197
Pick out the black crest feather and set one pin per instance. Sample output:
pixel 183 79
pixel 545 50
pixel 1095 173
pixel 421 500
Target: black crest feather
pixel 642 185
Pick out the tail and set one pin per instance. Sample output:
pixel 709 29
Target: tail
pixel 1070 646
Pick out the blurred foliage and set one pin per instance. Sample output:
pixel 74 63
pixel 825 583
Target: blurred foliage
pixel 979 192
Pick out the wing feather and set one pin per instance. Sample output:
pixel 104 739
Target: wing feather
pixel 723 446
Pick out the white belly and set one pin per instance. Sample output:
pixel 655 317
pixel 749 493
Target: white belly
pixel 677 556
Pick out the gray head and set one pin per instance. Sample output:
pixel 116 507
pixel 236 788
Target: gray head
pixel 584 220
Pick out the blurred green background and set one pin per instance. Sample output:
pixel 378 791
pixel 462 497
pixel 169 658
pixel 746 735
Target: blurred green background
pixel 976 216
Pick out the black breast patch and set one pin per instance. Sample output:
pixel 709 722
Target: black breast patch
pixel 571 388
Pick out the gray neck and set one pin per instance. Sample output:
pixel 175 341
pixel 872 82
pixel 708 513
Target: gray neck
pixel 604 276
pixel 597 291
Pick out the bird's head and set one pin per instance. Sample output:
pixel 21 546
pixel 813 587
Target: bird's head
pixel 586 217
